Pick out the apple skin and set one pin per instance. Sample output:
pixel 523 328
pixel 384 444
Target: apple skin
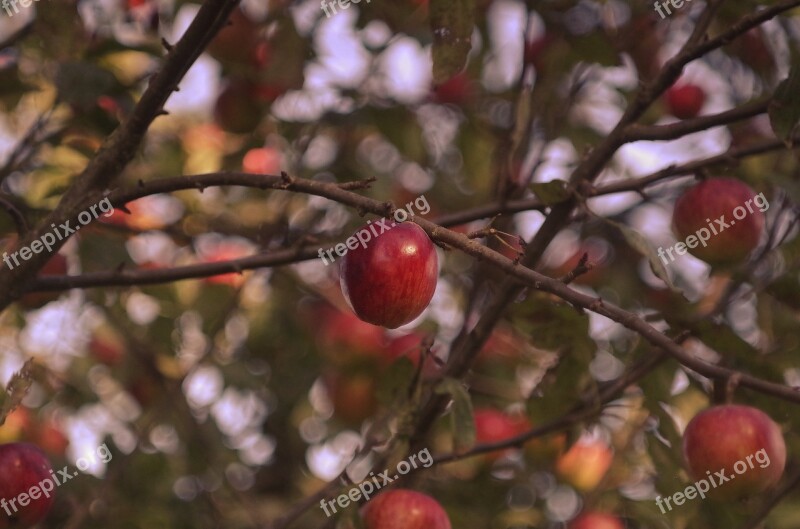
pixel 584 464
pixel 404 509
pixel 23 466
pixel 392 280
pixel 718 437
pixel 685 101
pixel 493 426
pixel 710 199
pixel 596 520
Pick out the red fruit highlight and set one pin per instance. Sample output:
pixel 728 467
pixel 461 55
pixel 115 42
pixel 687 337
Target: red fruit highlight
pixel 596 520
pixel 392 280
pixel 685 101
pixel 494 426
pixel 710 200
pixel 404 509
pixel 23 466
pixel 741 440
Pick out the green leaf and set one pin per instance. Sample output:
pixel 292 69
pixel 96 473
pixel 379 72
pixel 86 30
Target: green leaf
pixel 784 109
pixel 461 413
pixel 786 290
pixel 641 244
pixel 16 390
pixel 81 83
pixel 452 22
pixel 552 192
pixel 395 381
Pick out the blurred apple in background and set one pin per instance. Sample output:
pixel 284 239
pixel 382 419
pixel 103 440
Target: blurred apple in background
pixel 493 426
pixel 345 339
pixel 221 251
pixel 704 203
pixel 585 464
pixel 410 346
pixel 596 520
pixel 685 101
pixel 263 160
pixel 236 43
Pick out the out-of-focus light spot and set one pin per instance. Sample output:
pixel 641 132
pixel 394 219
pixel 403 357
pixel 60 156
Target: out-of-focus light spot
pixel 506 19
pixel 142 309
pixel 313 430
pixel 186 488
pixel 329 460
pixel 165 438
pixel 53 334
pixel 563 503
pixel 605 366
pixel 257 450
pixel 239 476
pixel 237 411
pixel 203 386
pixel 406 69
pixel 320 153
pixel 376 34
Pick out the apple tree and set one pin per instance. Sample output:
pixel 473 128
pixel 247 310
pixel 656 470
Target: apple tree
pixel 399 264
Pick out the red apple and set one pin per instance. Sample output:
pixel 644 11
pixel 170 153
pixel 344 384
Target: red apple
pixel 226 251
pixel 236 43
pixel 264 160
pixel 404 509
pixel 391 280
pixel 585 464
pixel 741 441
pixel 697 212
pixel 685 101
pixel 24 469
pixel 494 426
pixel 596 520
